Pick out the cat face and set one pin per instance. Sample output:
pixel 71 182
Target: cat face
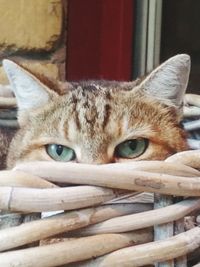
pixel 99 121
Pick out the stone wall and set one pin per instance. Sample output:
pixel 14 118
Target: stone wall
pixel 33 33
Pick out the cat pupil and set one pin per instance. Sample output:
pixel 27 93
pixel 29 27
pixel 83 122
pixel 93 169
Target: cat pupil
pixel 59 150
pixel 132 144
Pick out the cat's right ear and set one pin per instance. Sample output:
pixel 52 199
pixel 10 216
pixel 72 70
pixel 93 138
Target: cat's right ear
pixel 168 82
pixel 30 92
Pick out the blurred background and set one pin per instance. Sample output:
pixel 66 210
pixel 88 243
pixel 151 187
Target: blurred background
pixel 99 39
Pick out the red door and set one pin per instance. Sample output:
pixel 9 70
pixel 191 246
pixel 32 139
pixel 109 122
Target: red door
pixel 100 36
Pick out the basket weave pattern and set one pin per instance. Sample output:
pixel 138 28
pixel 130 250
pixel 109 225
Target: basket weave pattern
pixel 108 221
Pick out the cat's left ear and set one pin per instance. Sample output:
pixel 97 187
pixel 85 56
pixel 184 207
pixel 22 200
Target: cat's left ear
pixel 30 92
pixel 168 82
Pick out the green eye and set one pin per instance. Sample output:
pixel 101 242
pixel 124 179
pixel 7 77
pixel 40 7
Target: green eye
pixel 60 153
pixel 131 148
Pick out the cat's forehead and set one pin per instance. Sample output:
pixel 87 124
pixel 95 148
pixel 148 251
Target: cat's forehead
pixel 97 87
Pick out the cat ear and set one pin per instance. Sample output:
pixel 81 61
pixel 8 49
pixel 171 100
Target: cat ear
pixel 29 91
pixel 168 82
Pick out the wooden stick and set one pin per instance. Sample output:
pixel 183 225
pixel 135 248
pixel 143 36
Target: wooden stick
pixel 8 114
pixel 72 251
pixel 9 123
pixel 38 200
pixel 133 197
pixel 143 219
pixel 192 125
pixel 40 229
pixel 189 158
pixel 182 261
pixel 193 143
pixel 171 168
pixel 155 166
pixel 110 177
pixel 5 90
pixel 192 99
pixel 150 253
pixel 191 111
pixel 166 230
pixel 8 102
pixel 179 228
pixel 22 179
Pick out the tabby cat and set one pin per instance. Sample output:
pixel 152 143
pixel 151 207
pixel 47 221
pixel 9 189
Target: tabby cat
pixel 99 121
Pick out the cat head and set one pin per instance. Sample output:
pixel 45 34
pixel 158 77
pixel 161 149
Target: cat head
pixel 99 121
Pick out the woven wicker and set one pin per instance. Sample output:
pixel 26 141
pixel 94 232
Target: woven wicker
pixel 108 220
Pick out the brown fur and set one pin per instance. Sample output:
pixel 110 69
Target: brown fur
pixel 93 117
pixel 95 121
pixel 6 135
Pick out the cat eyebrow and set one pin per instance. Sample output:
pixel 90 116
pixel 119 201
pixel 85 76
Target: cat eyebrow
pixel 144 131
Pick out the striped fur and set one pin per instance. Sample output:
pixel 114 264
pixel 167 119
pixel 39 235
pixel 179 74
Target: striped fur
pixel 93 117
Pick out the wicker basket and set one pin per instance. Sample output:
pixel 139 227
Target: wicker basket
pixel 108 220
